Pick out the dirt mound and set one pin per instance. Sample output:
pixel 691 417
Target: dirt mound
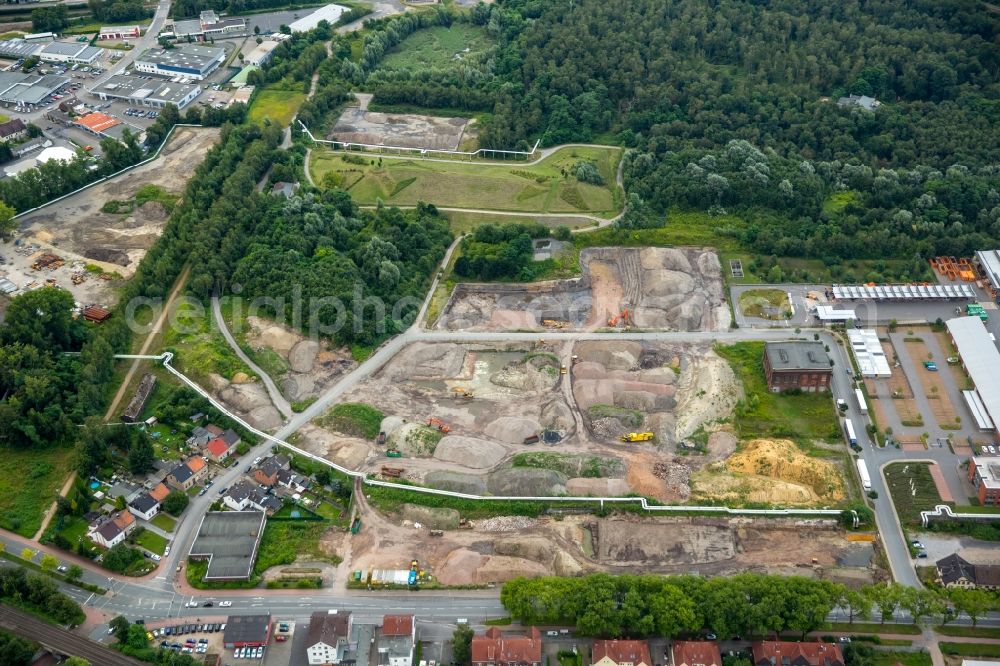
pixel 721 486
pixel 512 429
pixel 438 519
pixel 426 361
pixel 245 397
pixel 652 542
pixel 721 445
pixel 658 376
pixel 469 451
pixel 414 439
pixel 536 549
pixel 616 355
pixel 526 377
pixel 523 481
pixel 456 481
pixel 565 565
pixel 460 566
pixel 153 211
pixel 265 417
pixel 107 254
pixel 390 424
pixel 500 569
pixel 589 487
pixel 303 355
pixel 556 415
pixel 780 459
pixel 708 392
pixel 268 334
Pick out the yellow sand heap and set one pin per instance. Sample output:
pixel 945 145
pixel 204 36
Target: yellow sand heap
pixel 780 459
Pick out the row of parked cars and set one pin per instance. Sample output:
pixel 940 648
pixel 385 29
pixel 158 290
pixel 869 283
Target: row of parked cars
pixel 190 646
pixel 181 629
pixel 139 113
pixel 248 653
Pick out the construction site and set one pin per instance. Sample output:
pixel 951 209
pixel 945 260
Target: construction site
pixel 643 288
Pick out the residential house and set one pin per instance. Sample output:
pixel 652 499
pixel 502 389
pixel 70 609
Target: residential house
pixel 327 638
pixel 217 450
pixel 495 649
pixel 284 189
pixel 397 640
pixel 266 473
pixel 199 437
pixel 144 506
pixel 214 430
pixel 955 571
pixel 296 483
pixel 243 496
pixel 788 653
pixel 187 474
pixel 859 101
pixel 159 492
pixel 13 130
pixel 695 653
pixel 113 530
pixel 620 653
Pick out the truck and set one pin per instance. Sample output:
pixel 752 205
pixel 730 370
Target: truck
pixel 852 438
pixel 862 404
pixel 637 437
pixel 356 526
pixel 866 480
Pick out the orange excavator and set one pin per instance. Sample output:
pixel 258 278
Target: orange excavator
pixel 624 318
pixel 439 424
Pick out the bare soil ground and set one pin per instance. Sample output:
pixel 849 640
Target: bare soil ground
pixel 395 129
pixel 933 385
pixel 498 549
pixel 662 288
pixel 77 230
pixel 895 391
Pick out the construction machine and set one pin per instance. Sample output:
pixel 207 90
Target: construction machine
pixel 624 319
pixel 637 437
pixel 554 323
pixel 439 424
pixel 462 392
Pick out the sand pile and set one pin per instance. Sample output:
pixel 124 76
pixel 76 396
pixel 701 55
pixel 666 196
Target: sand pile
pixel 616 355
pixel 719 485
pixel 426 361
pixel 268 334
pixel 512 429
pixel 781 459
pixel 469 451
pixel 708 392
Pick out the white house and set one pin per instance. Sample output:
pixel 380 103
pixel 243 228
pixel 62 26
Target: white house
pixel 144 506
pixel 397 640
pixel 327 638
pixel 112 531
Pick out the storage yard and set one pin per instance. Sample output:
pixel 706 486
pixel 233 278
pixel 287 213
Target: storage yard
pixel 646 288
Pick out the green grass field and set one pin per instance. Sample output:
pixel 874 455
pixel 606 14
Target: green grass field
pixel 438 47
pixel 800 417
pixel 164 522
pixel 971 649
pixel 29 482
pixel 151 541
pixel 278 106
pixel 542 188
pixel 353 418
pixel 201 349
pixel 912 490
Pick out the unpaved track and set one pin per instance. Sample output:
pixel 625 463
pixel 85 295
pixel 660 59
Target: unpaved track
pixel 52 509
pixel 153 334
pixel 277 399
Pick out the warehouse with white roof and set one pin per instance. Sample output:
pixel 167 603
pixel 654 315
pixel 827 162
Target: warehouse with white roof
pixel 982 361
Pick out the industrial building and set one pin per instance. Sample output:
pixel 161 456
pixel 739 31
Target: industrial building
pixel 868 352
pixel 328 13
pixel 119 32
pixel 903 292
pixel 262 53
pixel 247 631
pixel 209 26
pixel 797 365
pixel 229 540
pixel 192 61
pixel 829 314
pixel 981 359
pixel 147 92
pixel 989 262
pixel 28 90
pixel 75 53
pixel 18 49
pixel 984 475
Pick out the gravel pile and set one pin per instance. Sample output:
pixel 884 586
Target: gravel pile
pixel 505 524
pixel 607 428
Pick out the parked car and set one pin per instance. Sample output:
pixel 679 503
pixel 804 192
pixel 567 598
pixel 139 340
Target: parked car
pixel 208 604
pixel 225 604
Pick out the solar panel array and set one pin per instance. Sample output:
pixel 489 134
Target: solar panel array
pixel 903 292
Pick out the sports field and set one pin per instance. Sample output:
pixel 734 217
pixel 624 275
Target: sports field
pixel 278 106
pixel 546 187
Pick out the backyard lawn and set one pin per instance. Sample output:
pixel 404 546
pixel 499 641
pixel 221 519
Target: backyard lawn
pixel 278 106
pixel 29 482
pixel 164 522
pixel 545 187
pixel 800 417
pixel 151 541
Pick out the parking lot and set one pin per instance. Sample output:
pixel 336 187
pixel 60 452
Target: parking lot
pixel 198 638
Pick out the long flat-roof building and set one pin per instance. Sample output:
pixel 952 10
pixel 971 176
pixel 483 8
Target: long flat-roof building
pixel 119 32
pixel 981 359
pixel 153 93
pixel 868 352
pixel 247 631
pixel 18 48
pixel 29 89
pixel 193 61
pixel 329 13
pixel 71 52
pixel 229 540
pixel 989 262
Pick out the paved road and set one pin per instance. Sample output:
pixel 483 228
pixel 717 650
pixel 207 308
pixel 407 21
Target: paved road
pixel 277 399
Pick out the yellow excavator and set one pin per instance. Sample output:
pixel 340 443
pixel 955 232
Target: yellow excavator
pixel 462 392
pixel 637 437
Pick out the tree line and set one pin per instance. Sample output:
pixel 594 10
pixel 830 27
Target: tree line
pixel 632 606
pixel 39 595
